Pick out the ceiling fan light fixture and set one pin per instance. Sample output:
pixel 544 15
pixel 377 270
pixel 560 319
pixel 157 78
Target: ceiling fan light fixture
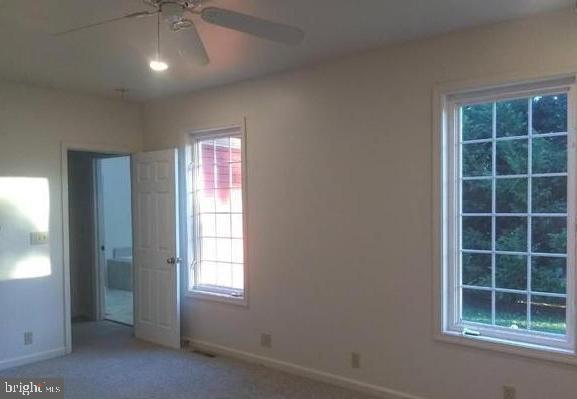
pixel 158 65
pixel 177 15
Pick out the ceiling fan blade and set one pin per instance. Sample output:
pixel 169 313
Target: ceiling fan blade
pixel 139 14
pixel 191 46
pixel 252 25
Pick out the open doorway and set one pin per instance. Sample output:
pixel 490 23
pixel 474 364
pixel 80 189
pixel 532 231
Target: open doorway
pixel 100 237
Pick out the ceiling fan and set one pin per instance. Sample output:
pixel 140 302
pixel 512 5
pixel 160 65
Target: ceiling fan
pixel 180 15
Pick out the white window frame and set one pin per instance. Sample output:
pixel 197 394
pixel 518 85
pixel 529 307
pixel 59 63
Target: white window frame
pixel 448 327
pixel 206 292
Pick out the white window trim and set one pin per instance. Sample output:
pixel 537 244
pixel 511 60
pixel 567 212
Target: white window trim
pixel 215 294
pixel 445 99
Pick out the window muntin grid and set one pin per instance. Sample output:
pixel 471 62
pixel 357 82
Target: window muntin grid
pixel 486 170
pixel 216 218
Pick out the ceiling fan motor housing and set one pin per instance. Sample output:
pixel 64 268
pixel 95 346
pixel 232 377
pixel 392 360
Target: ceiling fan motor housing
pixel 172 11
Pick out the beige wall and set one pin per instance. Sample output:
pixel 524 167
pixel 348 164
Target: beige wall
pixel 33 123
pixel 339 208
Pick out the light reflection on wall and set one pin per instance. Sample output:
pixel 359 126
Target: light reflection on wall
pixel 24 208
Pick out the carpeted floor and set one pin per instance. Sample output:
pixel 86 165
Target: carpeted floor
pixel 108 363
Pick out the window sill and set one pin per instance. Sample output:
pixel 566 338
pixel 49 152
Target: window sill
pixel 547 353
pixel 217 297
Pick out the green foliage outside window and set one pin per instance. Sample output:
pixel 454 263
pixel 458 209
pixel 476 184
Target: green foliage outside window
pixel 510 153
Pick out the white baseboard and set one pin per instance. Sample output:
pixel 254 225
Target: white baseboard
pixel 32 358
pixel 345 382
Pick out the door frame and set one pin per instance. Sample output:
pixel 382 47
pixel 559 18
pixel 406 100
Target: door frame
pixel 108 149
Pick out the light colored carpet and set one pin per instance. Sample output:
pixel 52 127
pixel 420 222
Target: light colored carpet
pixel 119 305
pixel 108 363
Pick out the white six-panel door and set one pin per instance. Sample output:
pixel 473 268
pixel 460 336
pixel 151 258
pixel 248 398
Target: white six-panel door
pixel 155 252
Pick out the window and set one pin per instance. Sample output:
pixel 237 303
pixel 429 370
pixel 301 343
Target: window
pixel 508 252
pixel 215 213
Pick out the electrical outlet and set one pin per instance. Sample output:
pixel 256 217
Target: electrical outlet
pixel 266 340
pixel 28 338
pixel 509 392
pixel 355 360
pixel 38 238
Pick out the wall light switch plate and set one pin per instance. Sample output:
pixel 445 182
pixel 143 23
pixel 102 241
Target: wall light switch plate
pixel 38 238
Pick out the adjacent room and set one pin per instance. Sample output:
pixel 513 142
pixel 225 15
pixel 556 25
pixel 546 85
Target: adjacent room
pixel 100 236
pixel 267 199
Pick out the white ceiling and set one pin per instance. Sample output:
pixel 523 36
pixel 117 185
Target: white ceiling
pixel 102 59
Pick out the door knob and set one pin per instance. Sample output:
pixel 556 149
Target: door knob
pixel 173 260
